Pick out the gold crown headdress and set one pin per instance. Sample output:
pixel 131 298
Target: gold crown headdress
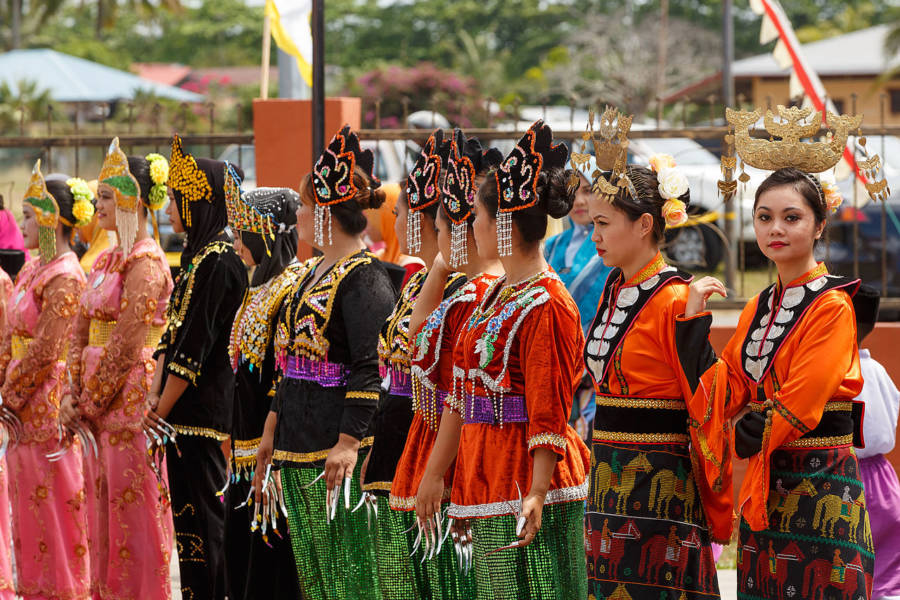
pixel 46 212
pixel 792 126
pixel 610 153
pixel 115 174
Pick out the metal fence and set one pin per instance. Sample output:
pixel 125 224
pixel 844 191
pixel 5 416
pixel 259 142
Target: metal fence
pixel 74 138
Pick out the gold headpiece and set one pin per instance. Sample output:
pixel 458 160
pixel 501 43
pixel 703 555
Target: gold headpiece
pixel 610 152
pixel 188 179
pixel 115 174
pixel 791 126
pixel 46 212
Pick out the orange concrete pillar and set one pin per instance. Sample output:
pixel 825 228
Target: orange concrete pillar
pixel 282 130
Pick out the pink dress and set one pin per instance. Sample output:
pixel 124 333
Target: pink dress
pixel 122 315
pixel 7 591
pixel 49 524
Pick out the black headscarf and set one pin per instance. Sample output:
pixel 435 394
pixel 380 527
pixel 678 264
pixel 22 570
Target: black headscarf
pixel 281 204
pixel 208 218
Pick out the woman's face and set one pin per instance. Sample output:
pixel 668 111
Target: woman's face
pixel 580 212
pixel 243 251
pixel 172 212
pixel 400 210
pixel 106 207
pixel 485 230
pixel 29 227
pixel 785 225
pixel 442 224
pixel 305 220
pixel 616 237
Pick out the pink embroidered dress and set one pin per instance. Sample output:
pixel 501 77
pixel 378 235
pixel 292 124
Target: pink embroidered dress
pixel 121 319
pixel 7 591
pixel 49 525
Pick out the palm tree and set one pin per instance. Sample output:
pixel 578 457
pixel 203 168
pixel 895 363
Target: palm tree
pixel 107 10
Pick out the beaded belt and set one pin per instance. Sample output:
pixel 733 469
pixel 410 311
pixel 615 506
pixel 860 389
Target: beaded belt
pixel 499 410
pixel 401 383
pixel 19 345
pixel 635 420
pixel 324 373
pixel 100 331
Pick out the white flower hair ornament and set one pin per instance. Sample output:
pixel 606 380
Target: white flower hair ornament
pixel 831 194
pixel 672 185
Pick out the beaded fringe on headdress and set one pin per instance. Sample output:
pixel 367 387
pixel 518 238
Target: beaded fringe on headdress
pixel 126 227
pixel 321 222
pixel 459 248
pixel 414 231
pixel 504 234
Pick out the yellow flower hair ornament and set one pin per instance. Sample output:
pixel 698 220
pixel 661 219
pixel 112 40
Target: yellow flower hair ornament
pixel 159 175
pixel 83 208
pixel 672 185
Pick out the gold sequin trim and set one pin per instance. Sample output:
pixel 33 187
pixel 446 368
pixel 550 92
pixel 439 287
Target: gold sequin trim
pixel 821 442
pixel 362 395
pixel 247 444
pixel 183 372
pixel 543 439
pixel 650 438
pixel 301 457
pixel 100 332
pixel 201 432
pixel 838 405
pixel 384 486
pixel 19 346
pixel 623 402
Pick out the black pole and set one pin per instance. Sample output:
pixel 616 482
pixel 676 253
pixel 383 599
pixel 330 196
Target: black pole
pixel 318 73
pixel 728 101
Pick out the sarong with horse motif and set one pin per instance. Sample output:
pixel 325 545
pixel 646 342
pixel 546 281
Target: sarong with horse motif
pixel 818 545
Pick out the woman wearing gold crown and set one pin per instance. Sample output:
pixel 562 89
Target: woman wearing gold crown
pixel 47 498
pixel 111 365
pixel 257 547
pixel 399 575
pixel 788 378
pixel 437 322
pixel 326 346
pixel 190 399
pixel 648 522
pixel 520 477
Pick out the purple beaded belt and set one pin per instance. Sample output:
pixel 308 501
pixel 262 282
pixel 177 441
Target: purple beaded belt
pixel 480 409
pixel 401 383
pixel 324 373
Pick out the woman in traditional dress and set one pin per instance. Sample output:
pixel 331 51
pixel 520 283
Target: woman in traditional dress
pixel 436 323
pixel 7 587
pixel 399 574
pixel 258 558
pixel 520 476
pixel 49 525
pixel 647 523
pixel 193 388
pixel 789 376
pixel 111 366
pixel 326 345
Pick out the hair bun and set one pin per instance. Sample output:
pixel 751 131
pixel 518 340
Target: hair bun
pixel 555 197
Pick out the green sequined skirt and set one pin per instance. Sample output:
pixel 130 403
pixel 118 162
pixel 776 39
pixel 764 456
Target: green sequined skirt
pixel 334 560
pixel 552 566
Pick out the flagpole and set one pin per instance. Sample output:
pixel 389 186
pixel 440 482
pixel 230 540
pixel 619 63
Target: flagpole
pixel 318 69
pixel 266 54
pixel 728 100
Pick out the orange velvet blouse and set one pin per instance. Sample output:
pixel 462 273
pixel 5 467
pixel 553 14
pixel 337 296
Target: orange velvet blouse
pixel 516 366
pixel 794 351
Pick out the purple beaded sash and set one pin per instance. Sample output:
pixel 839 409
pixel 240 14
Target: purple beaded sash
pixel 401 383
pixel 324 373
pixel 480 409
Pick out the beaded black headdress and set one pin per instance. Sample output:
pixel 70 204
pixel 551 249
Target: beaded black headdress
pixel 332 177
pixel 517 177
pixel 423 185
pixel 467 159
pixel 188 179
